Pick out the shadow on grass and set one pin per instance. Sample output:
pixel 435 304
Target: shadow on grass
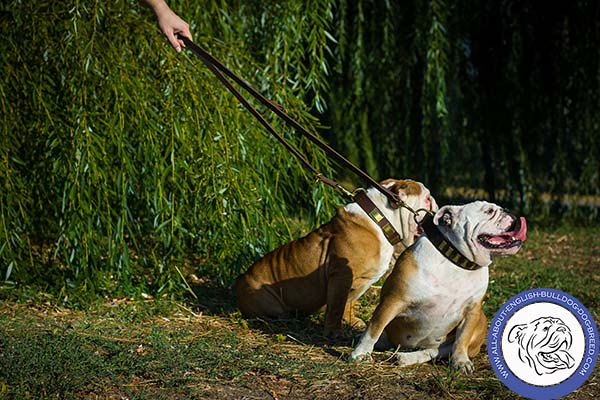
pixel 212 298
pixel 217 300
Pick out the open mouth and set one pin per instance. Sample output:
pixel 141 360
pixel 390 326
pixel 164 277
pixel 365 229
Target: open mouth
pixel 513 237
pixel 559 360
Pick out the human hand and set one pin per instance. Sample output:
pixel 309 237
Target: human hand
pixel 170 23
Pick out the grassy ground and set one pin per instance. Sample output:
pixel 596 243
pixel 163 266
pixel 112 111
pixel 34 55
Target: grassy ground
pixel 125 349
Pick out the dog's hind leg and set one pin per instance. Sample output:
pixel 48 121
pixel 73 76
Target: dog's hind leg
pixel 338 287
pixel 255 300
pixel 470 335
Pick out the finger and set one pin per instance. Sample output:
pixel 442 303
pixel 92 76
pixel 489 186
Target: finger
pixel 188 34
pixel 181 33
pixel 174 42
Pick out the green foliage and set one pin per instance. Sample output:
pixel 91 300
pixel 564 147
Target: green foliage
pixel 484 94
pixel 124 164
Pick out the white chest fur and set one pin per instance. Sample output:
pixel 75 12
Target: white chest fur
pixel 386 251
pixel 439 292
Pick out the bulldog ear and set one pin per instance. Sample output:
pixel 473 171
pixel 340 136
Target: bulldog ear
pixel 516 333
pixel 444 216
pixel 402 187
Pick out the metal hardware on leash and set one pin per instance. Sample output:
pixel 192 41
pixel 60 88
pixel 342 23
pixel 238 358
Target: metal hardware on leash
pixel 398 204
pixel 319 177
pixel 416 214
pixel 344 191
pixel 356 191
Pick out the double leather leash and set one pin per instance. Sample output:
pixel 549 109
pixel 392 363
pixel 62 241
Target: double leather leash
pixel 359 195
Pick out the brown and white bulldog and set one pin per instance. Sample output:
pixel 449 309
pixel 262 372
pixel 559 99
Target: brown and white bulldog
pixel 430 306
pixel 333 265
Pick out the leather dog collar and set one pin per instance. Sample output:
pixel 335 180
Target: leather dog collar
pixel 361 198
pixel 444 246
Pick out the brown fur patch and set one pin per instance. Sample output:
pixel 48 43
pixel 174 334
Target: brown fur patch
pixel 408 186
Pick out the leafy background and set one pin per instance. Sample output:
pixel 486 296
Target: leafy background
pixel 124 163
pixel 498 95
pixel 124 166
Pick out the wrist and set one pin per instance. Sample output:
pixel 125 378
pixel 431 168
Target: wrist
pixel 158 6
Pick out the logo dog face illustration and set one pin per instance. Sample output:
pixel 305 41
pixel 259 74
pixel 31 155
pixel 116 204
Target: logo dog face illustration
pixel 544 344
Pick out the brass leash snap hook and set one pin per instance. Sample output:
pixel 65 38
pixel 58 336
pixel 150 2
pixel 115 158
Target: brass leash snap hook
pixel 416 214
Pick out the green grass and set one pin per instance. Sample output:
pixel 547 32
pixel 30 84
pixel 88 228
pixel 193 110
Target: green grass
pixel 83 355
pixel 136 350
pixel 565 258
pixel 159 349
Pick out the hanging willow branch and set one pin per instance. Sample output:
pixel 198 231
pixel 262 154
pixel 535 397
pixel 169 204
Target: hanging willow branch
pixel 500 96
pixel 124 162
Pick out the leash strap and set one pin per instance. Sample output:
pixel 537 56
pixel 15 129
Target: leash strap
pixel 218 69
pixel 360 196
pixel 444 246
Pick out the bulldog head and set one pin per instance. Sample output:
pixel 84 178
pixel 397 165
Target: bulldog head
pixel 416 196
pixel 544 344
pixel 481 230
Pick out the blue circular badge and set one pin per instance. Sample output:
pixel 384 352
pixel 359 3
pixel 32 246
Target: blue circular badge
pixel 542 344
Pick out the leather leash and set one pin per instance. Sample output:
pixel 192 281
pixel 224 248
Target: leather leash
pixel 359 195
pixel 219 70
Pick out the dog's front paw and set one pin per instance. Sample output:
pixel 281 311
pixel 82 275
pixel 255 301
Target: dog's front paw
pixel 404 359
pixel 463 365
pixel 359 357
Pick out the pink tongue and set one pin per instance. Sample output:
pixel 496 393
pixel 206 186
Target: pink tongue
pixel 522 233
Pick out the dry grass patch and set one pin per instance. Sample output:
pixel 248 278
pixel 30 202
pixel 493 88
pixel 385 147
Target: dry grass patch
pixel 157 349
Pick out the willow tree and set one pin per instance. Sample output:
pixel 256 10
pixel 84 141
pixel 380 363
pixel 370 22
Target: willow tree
pixel 125 165
pixel 500 95
pixel 122 162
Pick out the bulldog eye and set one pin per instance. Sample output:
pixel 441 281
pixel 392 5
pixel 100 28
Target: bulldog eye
pixel 489 211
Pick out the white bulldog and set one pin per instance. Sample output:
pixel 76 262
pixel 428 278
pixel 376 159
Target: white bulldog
pixel 431 306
